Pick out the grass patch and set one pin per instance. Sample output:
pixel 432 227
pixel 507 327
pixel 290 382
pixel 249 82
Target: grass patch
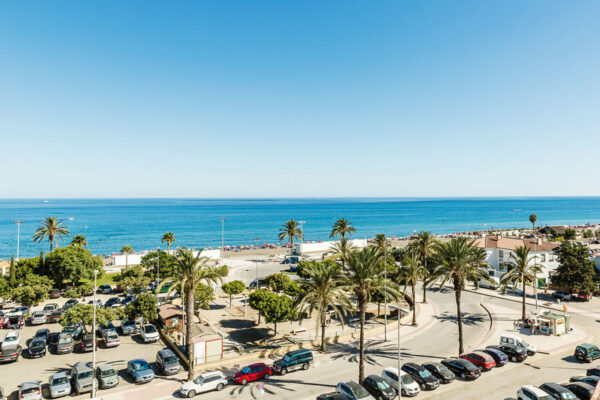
pixel 104 280
pixel 289 272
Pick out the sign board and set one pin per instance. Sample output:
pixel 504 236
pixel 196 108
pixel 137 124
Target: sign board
pixel 261 388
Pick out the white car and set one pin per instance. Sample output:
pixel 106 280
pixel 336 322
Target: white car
pixel 530 392
pixel 149 333
pixel 205 382
pixel 409 386
pixel 38 318
pixel 353 391
pixel 11 340
pixel 111 339
pixel 30 391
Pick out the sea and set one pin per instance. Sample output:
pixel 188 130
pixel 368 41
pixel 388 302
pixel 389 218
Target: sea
pixel 109 224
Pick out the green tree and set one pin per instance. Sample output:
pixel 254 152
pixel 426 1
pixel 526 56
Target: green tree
pixel 292 232
pixel 166 262
pixel 205 294
pixel 325 288
pixel 422 245
pixel 168 237
pixel 72 293
pixel 79 240
pixel 570 234
pixel 192 270
pixel 5 288
pixel 342 227
pixel 13 272
pixel 51 229
pixel 295 290
pixel 143 306
pixel 279 309
pixel 455 265
pixel 223 271
pixel 259 298
pixel 233 288
pixel 341 249
pixel 411 272
pixel 277 282
pixel 34 292
pixel 363 269
pixel 520 271
pixel 532 219
pixel 127 250
pixel 72 263
pixel 132 277
pixel 41 267
pixel 24 267
pixel 84 314
pixel 587 234
pixel 575 271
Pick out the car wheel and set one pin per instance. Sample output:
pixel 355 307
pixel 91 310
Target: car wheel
pixel 305 366
pixel 513 359
pixel 244 381
pixel 219 387
pixel 403 392
pixel 191 393
pixel 284 371
pixel 463 376
pixel 267 376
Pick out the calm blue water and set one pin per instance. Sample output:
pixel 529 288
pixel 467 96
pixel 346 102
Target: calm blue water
pixel 110 224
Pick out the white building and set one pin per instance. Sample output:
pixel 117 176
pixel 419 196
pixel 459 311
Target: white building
pixel 119 260
pixel 322 247
pixel 499 250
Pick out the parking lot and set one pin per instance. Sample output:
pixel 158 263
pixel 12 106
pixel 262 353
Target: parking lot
pixel 25 369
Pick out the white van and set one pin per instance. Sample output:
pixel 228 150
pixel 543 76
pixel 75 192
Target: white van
pixel 509 338
pixel 494 284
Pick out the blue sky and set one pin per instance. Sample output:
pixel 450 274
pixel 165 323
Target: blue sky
pixel 312 98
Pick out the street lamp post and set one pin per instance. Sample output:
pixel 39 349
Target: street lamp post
pixel 256 239
pixel 222 237
pixel 18 236
pixel 157 270
pixel 94 343
pixel 385 292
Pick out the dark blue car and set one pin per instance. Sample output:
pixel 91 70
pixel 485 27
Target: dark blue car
pixel 498 356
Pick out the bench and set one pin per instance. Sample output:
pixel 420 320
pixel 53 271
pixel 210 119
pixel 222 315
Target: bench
pixel 298 330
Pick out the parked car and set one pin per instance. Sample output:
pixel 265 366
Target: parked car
pixel 30 391
pixel 583 391
pixel 54 316
pixel 292 361
pixel 440 371
pixel 119 289
pixel 583 296
pixel 107 327
pixel 105 289
pixel 140 371
pixel 76 330
pixel 55 294
pixel 59 385
pixel 530 392
pixel 593 371
pixel 332 396
pixel 21 311
pixel 127 299
pixel 408 385
pixel 562 295
pixel 111 302
pixel 82 378
pixel 483 361
pixel 353 391
pixel 14 322
pixel 53 340
pixel 205 382
pixel 499 357
pixel 587 352
pixel 379 388
pixel 463 368
pixel 9 355
pixel 149 333
pixel 42 334
pixel 422 376
pixel 11 340
pixel 252 373
pixel 514 353
pixel 591 380
pixel 65 343
pixel 87 343
pixel 167 362
pixel 37 348
pixel 98 302
pixel 50 308
pixel 557 391
pixel 111 339
pixel 70 303
pixel 509 338
pixel 38 318
pixel 128 327
pixel 107 376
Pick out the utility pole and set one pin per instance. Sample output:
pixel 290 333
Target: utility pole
pixel 399 355
pixel 222 237
pixel 256 239
pixel 18 236
pixel 157 270
pixel 385 291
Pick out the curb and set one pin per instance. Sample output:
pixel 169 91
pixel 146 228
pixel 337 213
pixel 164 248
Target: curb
pixel 492 328
pixel 520 301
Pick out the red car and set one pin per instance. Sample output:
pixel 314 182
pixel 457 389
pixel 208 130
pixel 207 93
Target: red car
pixel 252 373
pixel 55 316
pixel 582 296
pixel 483 361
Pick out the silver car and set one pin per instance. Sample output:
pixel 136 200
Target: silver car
pixel 38 318
pixel 65 344
pixel 107 376
pixel 30 391
pixel 83 377
pixel 59 385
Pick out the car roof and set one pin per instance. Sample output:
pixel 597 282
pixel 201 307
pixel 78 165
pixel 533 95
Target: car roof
pixel 583 385
pixel 535 390
pixel 392 370
pixel 105 367
pixel 413 365
pixel 300 351
pixel 166 352
pixel 37 340
pixel 61 374
pixel 80 366
pixel 211 373
pixel 376 378
pixel 12 333
pixel 587 345
pixel 353 385
pixel 138 361
pixel 28 385
pixel 556 386
pixel 257 365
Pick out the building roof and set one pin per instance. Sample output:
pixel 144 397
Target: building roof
pixel 498 242
pixel 169 310
pixel 556 229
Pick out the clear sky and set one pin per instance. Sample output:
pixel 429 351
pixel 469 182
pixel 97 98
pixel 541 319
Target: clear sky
pixel 306 98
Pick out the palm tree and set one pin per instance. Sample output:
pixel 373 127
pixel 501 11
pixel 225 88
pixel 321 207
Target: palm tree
pixel 479 260
pixel 79 240
pixel 411 272
pixel 50 228
pixel 325 287
pixel 455 264
pixel 342 227
pixel 341 249
pixel 127 250
pixel 520 272
pixel 168 237
pixel 191 271
pixel 422 245
pixel 532 219
pixel 292 232
pixel 363 269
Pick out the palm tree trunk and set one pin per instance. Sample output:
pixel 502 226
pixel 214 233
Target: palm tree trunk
pixel 457 293
pixel 51 242
pixel 362 305
pixel 323 344
pixel 189 305
pixel 425 282
pixel 230 301
pixel 524 299
pixel 414 294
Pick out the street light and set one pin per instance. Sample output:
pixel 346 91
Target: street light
pixel 18 236
pixel 157 270
pixel 94 343
pixel 385 291
pixel 222 237
pixel 256 239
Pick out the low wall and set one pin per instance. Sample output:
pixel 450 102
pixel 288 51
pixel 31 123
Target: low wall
pixel 303 248
pixel 135 259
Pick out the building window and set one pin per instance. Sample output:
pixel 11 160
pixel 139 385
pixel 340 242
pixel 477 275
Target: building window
pixel 543 257
pixel 501 254
pixel 501 267
pixel 551 258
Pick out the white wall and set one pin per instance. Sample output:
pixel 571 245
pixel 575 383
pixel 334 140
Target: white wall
pixel 134 259
pixel 549 264
pixel 302 248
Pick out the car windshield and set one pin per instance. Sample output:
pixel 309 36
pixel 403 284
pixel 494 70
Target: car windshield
pixel 65 340
pixel 10 339
pixel 567 396
pixel 170 360
pixel 199 380
pixel 424 373
pixel 84 375
pixel 60 381
pixel 107 373
pixel 246 370
pixel 149 329
pixel 37 344
pixel 30 390
pixel 360 392
pixel 524 343
pixel 443 369
pixel 407 379
pixel 142 367
pixel 286 358
pixel 383 385
pixel 470 367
